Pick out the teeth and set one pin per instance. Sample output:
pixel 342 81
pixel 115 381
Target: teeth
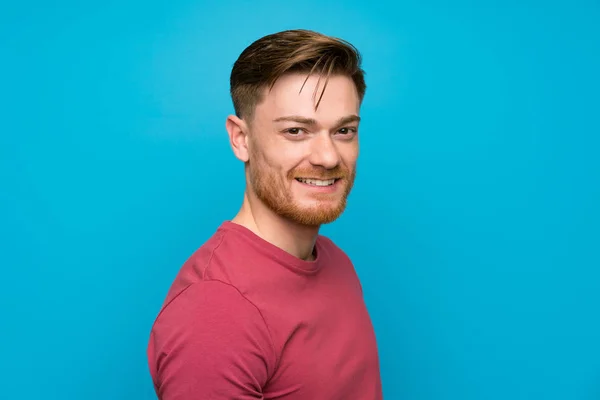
pixel 317 182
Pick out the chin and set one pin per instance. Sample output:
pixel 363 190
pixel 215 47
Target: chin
pixel 317 215
pixel 309 220
pixel 319 206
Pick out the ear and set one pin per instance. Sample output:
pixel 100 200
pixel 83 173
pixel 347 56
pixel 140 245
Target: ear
pixel 238 137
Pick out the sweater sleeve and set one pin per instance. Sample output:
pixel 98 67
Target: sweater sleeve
pixel 210 342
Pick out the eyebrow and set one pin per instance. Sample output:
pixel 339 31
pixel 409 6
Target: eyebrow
pixel 312 122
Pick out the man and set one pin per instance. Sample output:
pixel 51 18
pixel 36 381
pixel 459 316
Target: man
pixel 267 308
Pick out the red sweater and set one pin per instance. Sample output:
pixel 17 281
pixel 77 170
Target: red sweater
pixel 247 320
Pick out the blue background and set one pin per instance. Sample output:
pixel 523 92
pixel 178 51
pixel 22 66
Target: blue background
pixel 474 224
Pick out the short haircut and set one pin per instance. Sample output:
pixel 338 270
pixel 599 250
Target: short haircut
pixel 293 51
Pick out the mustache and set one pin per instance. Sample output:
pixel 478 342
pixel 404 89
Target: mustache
pixel 319 173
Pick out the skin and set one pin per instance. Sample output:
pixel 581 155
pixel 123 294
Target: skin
pixel 287 138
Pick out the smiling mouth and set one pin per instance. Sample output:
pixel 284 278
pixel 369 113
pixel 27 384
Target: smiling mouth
pixel 317 182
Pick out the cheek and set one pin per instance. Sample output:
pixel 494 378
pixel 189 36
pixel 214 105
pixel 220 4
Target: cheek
pixel 285 161
pixel 278 158
pixel 272 168
pixel 262 160
pixel 350 156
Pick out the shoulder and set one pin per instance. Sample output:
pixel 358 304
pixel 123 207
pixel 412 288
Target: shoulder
pixel 333 250
pixel 206 310
pixel 216 259
pixel 206 299
pixel 338 257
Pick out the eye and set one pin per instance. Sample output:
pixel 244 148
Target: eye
pixel 347 131
pixel 293 131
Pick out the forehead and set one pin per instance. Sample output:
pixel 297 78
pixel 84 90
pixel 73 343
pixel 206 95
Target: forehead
pixel 294 94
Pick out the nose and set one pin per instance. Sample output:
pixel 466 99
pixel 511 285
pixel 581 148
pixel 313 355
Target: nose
pixel 324 152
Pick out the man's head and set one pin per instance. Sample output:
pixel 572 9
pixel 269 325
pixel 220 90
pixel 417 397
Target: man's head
pixel 297 97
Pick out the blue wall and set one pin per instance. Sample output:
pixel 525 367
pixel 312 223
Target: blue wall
pixel 474 224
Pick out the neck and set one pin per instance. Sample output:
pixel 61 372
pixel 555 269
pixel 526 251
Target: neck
pixel 298 240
